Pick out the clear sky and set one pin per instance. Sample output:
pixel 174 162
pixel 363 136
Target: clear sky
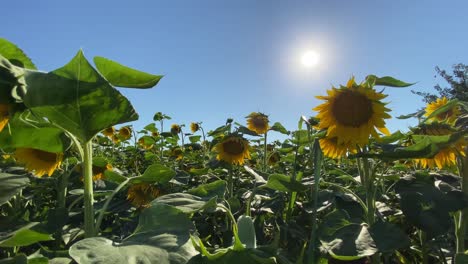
pixel 229 58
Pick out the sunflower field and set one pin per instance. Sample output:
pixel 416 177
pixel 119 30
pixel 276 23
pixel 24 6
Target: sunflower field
pixel 79 185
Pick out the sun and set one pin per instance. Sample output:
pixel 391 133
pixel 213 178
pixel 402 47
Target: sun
pixel 310 58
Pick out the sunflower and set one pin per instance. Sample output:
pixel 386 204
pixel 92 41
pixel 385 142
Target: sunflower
pixel 446 156
pixel 177 153
pixel 351 113
pixel 39 161
pixel 194 127
pixel 141 194
pixel 332 149
pixel 155 134
pixel 257 122
pixel 450 115
pixel 233 149
pixel 98 171
pixel 109 132
pixel 125 132
pixel 175 129
pixel 4 115
pixel 144 143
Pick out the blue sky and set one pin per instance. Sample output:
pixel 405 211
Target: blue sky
pixel 229 58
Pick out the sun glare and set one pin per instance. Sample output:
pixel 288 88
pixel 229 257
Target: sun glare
pixel 310 58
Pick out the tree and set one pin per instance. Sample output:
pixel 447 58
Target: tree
pixel 458 85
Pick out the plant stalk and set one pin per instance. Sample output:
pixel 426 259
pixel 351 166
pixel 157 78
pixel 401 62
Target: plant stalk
pixel 88 189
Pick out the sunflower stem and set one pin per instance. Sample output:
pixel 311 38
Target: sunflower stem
pixel 88 189
pixel 265 152
pixel 424 248
pixel 230 183
pixel 106 204
pixel 460 228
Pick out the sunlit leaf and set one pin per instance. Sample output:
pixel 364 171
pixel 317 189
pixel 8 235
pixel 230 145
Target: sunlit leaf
pixel 123 76
pixel 11 184
pixel 15 55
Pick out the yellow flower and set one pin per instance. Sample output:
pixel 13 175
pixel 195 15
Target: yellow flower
pixel 233 149
pixel 449 116
pixel 352 113
pixel 175 129
pixel 332 149
pixel 125 133
pixel 141 194
pixel 109 132
pixel 447 156
pixel 39 161
pixel 98 171
pixel 142 142
pixel 273 158
pixel 177 153
pixel 258 122
pixel 4 115
pixel 194 127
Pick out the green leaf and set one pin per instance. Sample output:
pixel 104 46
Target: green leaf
pixel 351 242
pixel 162 234
pixel 194 139
pixel 278 127
pixel 283 183
pixel 445 108
pixel 28 235
pixel 155 173
pixel 246 231
pixel 216 188
pixel 11 184
pixel 123 76
pixel 39 136
pixel 392 138
pixel 185 202
pixel 461 258
pixel 246 131
pixel 388 237
pixel 387 81
pixel 18 259
pixel 15 55
pixel 77 98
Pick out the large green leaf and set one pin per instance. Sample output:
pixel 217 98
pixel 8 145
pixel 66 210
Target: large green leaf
pixel 353 241
pixel 77 98
pixel 283 183
pixel 388 237
pixel 185 202
pixel 11 184
pixel 216 188
pixel 278 127
pixel 155 173
pixel 123 76
pixel 30 234
pixel 15 55
pixel 162 236
pixel 246 231
pixel 40 136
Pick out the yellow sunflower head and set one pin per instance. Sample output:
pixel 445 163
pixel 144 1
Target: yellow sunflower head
pixel 274 158
pixel 332 149
pixel 233 149
pixel 125 133
pixel 177 153
pixel 258 122
pixel 98 171
pixel 109 132
pixel 4 115
pixel 449 116
pixel 352 113
pixel 447 156
pixel 144 143
pixel 141 194
pixel 155 134
pixel 194 127
pixel 39 161
pixel 175 129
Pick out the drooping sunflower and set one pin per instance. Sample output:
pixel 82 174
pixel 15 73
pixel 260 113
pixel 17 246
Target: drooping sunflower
pixel 352 113
pixel 4 115
pixel 175 129
pixel 125 133
pixel 449 116
pixel 109 132
pixel 257 122
pixel 233 149
pixel 145 144
pixel 98 171
pixel 38 161
pixel 177 153
pixel 140 195
pixel 155 134
pixel 446 156
pixel 332 149
pixel 194 127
